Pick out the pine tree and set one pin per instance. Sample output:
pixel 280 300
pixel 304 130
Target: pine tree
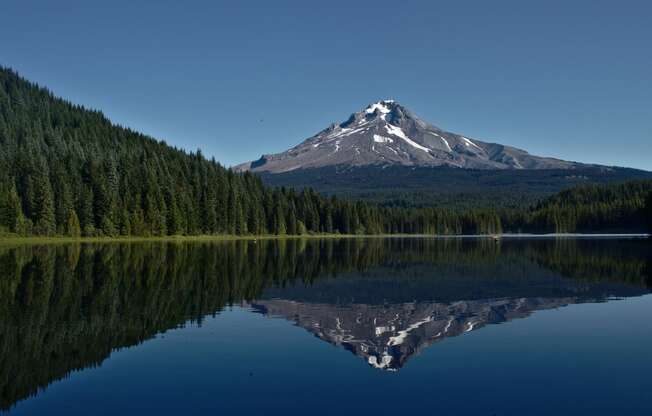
pixel 11 213
pixel 125 222
pixel 44 207
pixel 174 220
pixel 279 226
pixel 648 211
pixel 73 227
pixel 107 227
pixel 87 218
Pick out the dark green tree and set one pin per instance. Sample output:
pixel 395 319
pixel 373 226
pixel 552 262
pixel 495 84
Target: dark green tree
pixel 73 227
pixel 648 211
pixel 11 214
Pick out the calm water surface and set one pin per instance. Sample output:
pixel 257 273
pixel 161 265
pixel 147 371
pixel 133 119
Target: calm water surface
pixel 368 326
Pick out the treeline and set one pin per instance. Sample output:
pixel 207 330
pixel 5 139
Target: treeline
pixel 66 170
pixel 609 208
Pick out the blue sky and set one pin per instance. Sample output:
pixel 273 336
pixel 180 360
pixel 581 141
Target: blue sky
pixel 570 79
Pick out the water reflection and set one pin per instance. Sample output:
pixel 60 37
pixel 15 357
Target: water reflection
pixel 387 336
pixel 387 314
pixel 66 307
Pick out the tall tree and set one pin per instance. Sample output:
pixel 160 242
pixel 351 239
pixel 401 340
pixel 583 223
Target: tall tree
pixel 73 228
pixel 648 211
pixel 11 213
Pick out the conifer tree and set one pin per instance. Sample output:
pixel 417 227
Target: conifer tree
pixel 11 214
pixel 73 228
pixel 44 207
pixel 87 218
pixel 648 211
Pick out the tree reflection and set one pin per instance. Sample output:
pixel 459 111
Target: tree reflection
pixel 66 307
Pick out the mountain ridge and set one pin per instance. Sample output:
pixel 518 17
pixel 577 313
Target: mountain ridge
pixel 387 133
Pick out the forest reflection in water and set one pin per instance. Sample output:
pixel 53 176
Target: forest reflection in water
pixel 67 307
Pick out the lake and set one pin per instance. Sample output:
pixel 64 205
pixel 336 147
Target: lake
pixel 328 327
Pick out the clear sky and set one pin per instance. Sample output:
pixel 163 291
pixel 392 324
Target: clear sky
pixel 570 79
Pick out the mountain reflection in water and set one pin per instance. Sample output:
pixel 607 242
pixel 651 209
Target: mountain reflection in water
pixel 67 307
pixel 386 336
pixel 386 314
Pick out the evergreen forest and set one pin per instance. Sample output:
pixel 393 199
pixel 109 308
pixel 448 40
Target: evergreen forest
pixel 68 171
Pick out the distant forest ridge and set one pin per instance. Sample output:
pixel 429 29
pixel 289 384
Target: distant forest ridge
pixel 67 170
pixel 448 187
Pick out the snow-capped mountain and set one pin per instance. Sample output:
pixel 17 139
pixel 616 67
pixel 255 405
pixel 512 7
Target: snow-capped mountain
pixel 386 133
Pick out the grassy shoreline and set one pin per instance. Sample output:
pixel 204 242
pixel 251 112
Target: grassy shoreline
pixel 181 238
pixel 17 240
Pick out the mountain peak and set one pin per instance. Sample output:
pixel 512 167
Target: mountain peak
pixel 383 112
pixel 382 107
pixel 387 133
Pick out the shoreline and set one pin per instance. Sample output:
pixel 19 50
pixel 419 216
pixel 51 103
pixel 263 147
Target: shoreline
pixel 15 240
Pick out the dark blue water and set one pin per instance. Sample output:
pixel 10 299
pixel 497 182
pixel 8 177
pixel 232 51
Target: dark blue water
pixel 357 327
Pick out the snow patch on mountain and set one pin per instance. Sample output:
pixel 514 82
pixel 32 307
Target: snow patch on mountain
pixel 469 143
pixel 382 139
pixel 345 132
pixel 448 146
pixel 398 132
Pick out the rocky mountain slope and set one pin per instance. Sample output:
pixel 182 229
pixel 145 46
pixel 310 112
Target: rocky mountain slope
pixel 386 133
